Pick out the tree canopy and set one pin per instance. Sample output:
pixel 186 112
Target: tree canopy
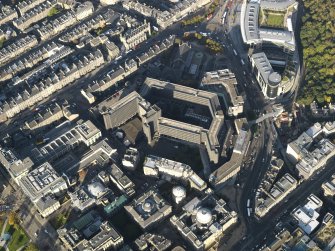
pixel 31 247
pixel 11 218
pixel 318 42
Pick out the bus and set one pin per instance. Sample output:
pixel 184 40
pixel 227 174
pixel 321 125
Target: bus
pixel 224 17
pixel 248 210
pixel 235 53
pixel 248 203
pixel 242 62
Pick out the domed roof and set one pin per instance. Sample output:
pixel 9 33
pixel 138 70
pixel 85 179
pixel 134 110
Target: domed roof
pixel 204 215
pixel 96 189
pixel 179 191
pixel 274 78
pixel 147 206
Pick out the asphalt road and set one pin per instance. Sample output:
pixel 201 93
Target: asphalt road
pixel 255 101
pixel 267 224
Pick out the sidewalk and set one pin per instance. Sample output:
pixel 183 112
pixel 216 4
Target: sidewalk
pixel 3 242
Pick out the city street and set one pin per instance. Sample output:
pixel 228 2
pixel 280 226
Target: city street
pixel 257 159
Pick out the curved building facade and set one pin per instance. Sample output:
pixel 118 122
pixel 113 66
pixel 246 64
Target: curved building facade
pixel 268 79
pixel 274 80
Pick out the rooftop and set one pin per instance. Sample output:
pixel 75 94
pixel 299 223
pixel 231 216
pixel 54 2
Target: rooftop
pixel 149 208
pixel 265 69
pixel 202 219
pixel 42 181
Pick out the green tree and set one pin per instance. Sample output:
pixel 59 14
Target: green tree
pixel 31 247
pixel 317 39
pixel 12 218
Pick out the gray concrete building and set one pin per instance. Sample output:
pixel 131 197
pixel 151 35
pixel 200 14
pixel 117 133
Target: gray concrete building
pixel 41 182
pixel 121 180
pixel 155 125
pixel 65 137
pixel 224 84
pixel 276 194
pixel 16 167
pixel 169 169
pixel 269 80
pixel 229 169
pixel 204 221
pixel 149 209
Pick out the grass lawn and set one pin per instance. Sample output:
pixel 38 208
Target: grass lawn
pixel 272 19
pixel 18 239
pixel 60 219
pixel 2 222
pixel 275 20
pixel 285 78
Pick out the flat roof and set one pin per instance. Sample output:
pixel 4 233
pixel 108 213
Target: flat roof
pixel 185 93
pixel 41 181
pixel 263 65
pixel 276 4
pixel 215 79
pixel 251 33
